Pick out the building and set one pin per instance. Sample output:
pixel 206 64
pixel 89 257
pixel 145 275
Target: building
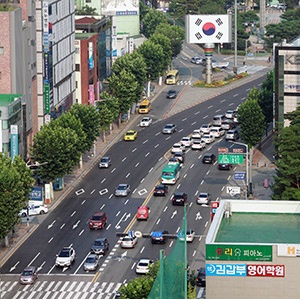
pixel 253 249
pixel 287 80
pixel 18 67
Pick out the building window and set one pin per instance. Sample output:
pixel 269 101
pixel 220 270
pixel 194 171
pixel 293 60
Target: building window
pixel 77 67
pixel 1 50
pixel 4 124
pixel 50 10
pixel 88 1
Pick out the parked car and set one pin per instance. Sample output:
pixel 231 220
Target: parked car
pixel 33 210
pixel 232 135
pixel 224 166
pixel 122 190
pixel 98 220
pixel 209 158
pixel 169 129
pixel 142 213
pixel 159 237
pixel 130 135
pixel 129 241
pixel 186 141
pixel 196 60
pixel 198 144
pixel 66 257
pixel 201 277
pixel 203 198
pixel 179 198
pixel 105 162
pixel 28 276
pixel 177 148
pixel 143 266
pixel 206 128
pixel 91 263
pixel 208 138
pixel 171 94
pixel 146 121
pixel 100 246
pixel 160 190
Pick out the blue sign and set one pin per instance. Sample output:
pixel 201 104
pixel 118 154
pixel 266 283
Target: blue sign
pixel 226 270
pixel 36 194
pixel 239 176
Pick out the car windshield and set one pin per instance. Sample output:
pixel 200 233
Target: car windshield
pixel 144 264
pixel 90 260
pixel 142 211
pixel 98 243
pixel 127 239
pixel 130 133
pixel 159 187
pixel 197 141
pixel 104 160
pixel 97 217
pixel 122 187
pixel 64 253
pixel 203 195
pixel 168 126
pixel 27 273
pixel 145 119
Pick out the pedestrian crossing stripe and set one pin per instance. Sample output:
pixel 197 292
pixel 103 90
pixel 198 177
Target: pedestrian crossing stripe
pixel 184 82
pixel 60 290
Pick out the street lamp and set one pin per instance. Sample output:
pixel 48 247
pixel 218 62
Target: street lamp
pixel 247 164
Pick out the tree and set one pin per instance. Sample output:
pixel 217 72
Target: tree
pixel 251 119
pixel 68 120
pixel 287 179
pixel 133 63
pixel 15 185
pixel 143 10
pixel 57 148
pixel 90 120
pixel 124 88
pixel 87 11
pixel 175 34
pixel 151 20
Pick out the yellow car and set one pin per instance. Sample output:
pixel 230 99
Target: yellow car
pixel 130 135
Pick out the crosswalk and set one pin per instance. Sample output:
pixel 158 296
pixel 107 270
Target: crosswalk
pixel 59 290
pixel 184 82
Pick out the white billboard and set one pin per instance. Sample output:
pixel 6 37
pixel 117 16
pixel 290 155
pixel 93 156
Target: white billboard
pixel 201 29
pixel 120 7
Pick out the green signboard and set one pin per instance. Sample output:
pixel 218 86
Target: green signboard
pixel 46 98
pixel 223 252
pixel 231 158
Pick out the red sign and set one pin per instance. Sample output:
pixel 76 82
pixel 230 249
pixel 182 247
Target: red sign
pixel 213 209
pixel 223 149
pixel 238 150
pixel 266 270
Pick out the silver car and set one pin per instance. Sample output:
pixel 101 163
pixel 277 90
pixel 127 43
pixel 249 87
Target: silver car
pixel 104 162
pixel 28 276
pixel 91 262
pixel 169 129
pixel 122 190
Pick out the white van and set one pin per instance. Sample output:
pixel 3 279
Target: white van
pixel 218 119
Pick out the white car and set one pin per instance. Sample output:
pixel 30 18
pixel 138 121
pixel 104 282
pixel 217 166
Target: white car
pixel 197 134
pixel 33 210
pixel 206 128
pixel 178 148
pixel 186 141
pixel 66 257
pixel 208 138
pixel 190 235
pixel 203 198
pixel 145 121
pixel 143 266
pixel 198 144
pixel 217 132
pixel 129 241
pixel 229 113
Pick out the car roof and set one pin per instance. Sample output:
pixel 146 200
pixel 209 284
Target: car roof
pixel 144 260
pixel 130 131
pixel 145 118
pixel 30 268
pixel 160 186
pixel 143 208
pixel 203 193
pixel 179 193
pixel 208 155
pixel 98 214
pixel 122 185
pixel 167 125
pixel 101 239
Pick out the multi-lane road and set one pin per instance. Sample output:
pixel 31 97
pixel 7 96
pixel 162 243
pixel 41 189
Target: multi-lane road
pixel 138 163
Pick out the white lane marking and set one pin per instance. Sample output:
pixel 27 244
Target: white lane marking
pixel 235 95
pixel 142 249
pixel 168 137
pixel 62 226
pixel 150 169
pixel 231 104
pixel 103 180
pixel 145 141
pixel 178 186
pixel 118 213
pixel 206 223
pixel 222 101
pixel 160 159
pixel 196 193
pixel 196 112
pixel 202 182
pixel 142 180
pixel 157 133
pixel 134 150
pixel 124 159
pixel 206 116
pixel 147 154
pixel 102 207
pixel 209 106
pixel 185 175
pixel 229 177
pixel 156 146
pixel 137 164
pixel 92 192
pixel 180 130
pixel 157 221
pixel 128 174
pixel 171 243
pixel 165 209
pixel 193 123
pixel 113 170
pixel 81 232
pixel 73 213
pixel 192 166
pixel 184 119
pixel 208 172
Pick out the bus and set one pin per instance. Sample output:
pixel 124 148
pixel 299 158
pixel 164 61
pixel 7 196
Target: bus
pixel 172 77
pixel 145 106
pixel 170 174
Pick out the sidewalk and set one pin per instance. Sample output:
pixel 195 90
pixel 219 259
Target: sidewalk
pixel 23 230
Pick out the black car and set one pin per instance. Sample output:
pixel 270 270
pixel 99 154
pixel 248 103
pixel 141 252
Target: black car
pixel 100 246
pixel 224 166
pixel 171 94
pixel 179 156
pixel 159 237
pixel 160 190
pixel 209 159
pixel 201 277
pixel 179 198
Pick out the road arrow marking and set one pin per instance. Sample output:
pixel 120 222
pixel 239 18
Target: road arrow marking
pixel 122 258
pixel 76 224
pixel 65 269
pixel 41 266
pixel 50 225
pixel 127 216
pixel 198 216
pixel 14 267
pixel 173 215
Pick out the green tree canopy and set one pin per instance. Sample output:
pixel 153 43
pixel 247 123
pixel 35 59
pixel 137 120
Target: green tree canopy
pixel 57 148
pixel 87 11
pixel 151 20
pixel 90 120
pixel 175 34
pixel 251 119
pixel 15 185
pixel 266 98
pixel 165 43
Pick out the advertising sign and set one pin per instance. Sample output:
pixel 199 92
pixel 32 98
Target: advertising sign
pixel 292 250
pixel 91 94
pixel 201 29
pixel 120 7
pixel 45 26
pixel 266 270
pixel 231 158
pixel 36 194
pixel 91 56
pixel 226 269
pixel 224 252
pixel 213 209
pixel 239 176
pixel 46 98
pixel 46 67
pixel 14 141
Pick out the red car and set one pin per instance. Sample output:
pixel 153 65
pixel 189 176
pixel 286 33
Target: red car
pixel 142 213
pixel 98 220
